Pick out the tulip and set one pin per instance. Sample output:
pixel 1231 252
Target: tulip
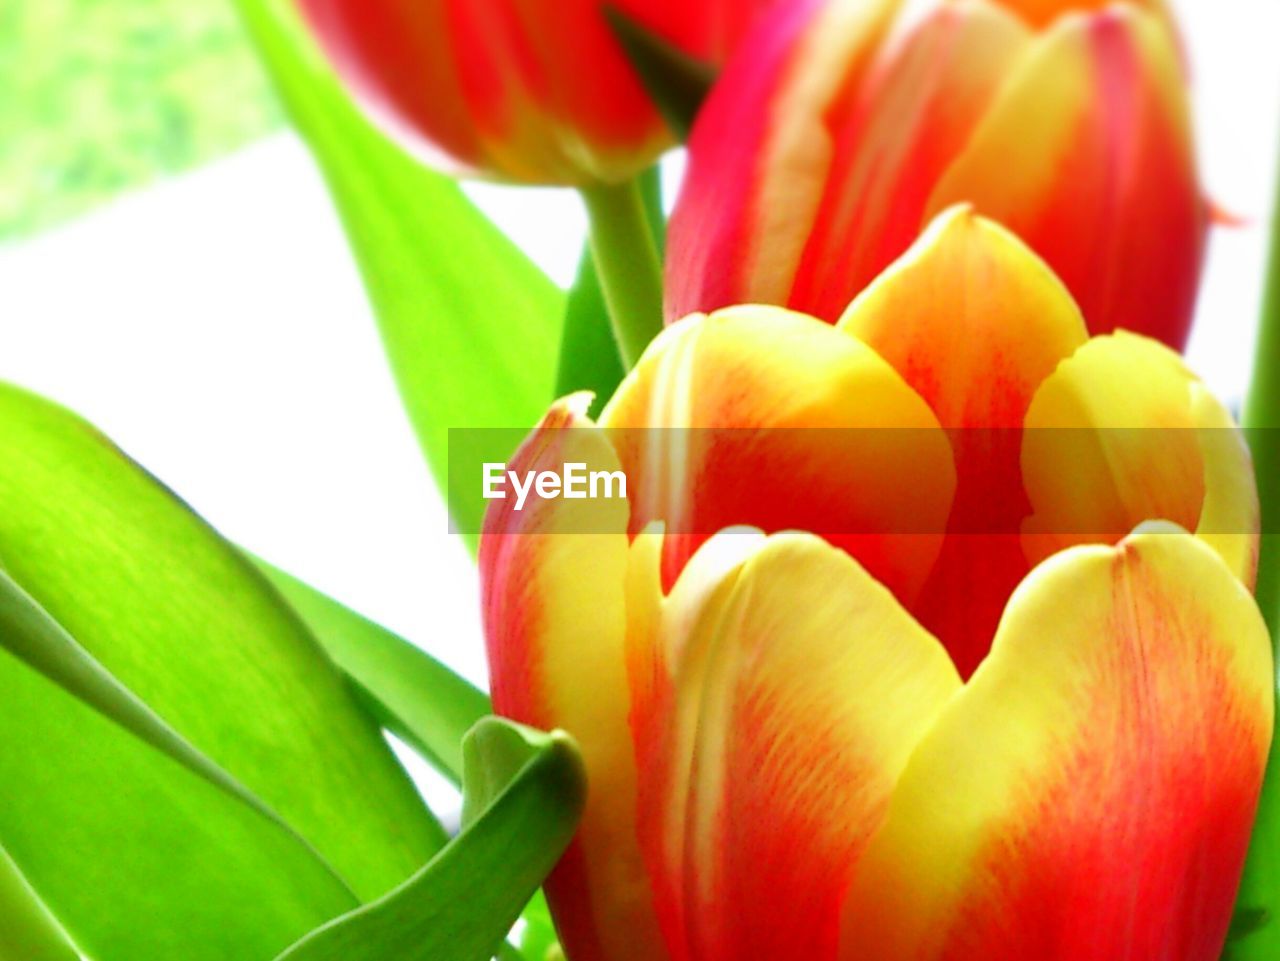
pixel 520 91
pixel 537 93
pixel 839 131
pixel 1014 704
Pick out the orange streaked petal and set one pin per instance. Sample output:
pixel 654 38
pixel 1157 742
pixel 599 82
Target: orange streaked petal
pixel 555 626
pixel 659 627
pixel 1087 155
pixel 1090 794
pixel 1231 517
pixel 529 91
pixel 894 139
pixel 788 693
pixel 1122 433
pixel 376 47
pixel 1041 13
pixel 760 154
pixel 974 321
pixel 758 416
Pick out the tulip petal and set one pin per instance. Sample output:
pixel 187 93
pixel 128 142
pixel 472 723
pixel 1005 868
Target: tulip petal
pixel 1123 433
pixel 1087 156
pixel 1089 795
pixel 788 692
pixel 708 32
pixel 527 91
pixel 523 68
pixel 974 321
pixel 762 417
pixel 1231 517
pixel 760 154
pixel 1041 13
pixel 894 139
pixel 658 630
pixel 555 624
pixel 397 61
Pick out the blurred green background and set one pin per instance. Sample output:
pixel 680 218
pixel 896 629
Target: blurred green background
pixel 103 95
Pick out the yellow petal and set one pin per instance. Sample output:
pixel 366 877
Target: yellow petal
pixel 971 318
pixel 1040 13
pixel 763 417
pixel 1123 433
pixel 974 321
pixel 761 153
pixel 1090 794
pixel 893 139
pixel 555 625
pixel 1231 517
pixel 1087 155
pixel 784 696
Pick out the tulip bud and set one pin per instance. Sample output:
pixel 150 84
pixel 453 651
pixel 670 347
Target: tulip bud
pixel 526 92
pixel 838 132
pixel 1013 703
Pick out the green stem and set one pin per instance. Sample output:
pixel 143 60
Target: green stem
pixel 628 265
pixel 1257 921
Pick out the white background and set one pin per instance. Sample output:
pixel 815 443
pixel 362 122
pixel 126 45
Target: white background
pixel 216 328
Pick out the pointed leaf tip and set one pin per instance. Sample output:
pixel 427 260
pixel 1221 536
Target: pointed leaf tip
pixel 523 794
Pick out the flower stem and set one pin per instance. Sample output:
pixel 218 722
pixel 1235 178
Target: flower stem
pixel 1256 927
pixel 628 265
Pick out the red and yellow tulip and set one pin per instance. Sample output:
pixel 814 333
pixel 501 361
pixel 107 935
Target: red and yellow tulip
pixel 521 91
pixel 1014 704
pixel 843 128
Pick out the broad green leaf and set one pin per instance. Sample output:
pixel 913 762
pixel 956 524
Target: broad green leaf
pixel 523 794
pixel 133 855
pixel 470 325
pixel 28 930
pixel 104 95
pixel 412 694
pixel 178 617
pixel 31 635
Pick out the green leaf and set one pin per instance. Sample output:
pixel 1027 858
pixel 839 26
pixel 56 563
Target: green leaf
pixel 133 855
pixel 538 941
pixel 588 353
pixel 523 793
pixel 137 856
pixel 31 635
pixel 470 325
pixel 412 694
pixel 1255 935
pixel 677 83
pixel 1247 921
pixel 28 931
